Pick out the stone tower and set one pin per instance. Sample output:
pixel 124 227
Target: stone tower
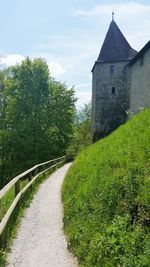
pixel 110 90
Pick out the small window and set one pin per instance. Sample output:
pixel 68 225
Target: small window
pixel 112 69
pixel 141 61
pixel 113 90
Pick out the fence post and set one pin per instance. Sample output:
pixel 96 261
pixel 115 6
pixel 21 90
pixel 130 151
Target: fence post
pixel 49 164
pixel 36 171
pixel 30 176
pixel 17 187
pixel 0 210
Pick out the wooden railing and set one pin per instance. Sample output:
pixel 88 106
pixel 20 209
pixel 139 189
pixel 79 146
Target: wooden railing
pixel 32 174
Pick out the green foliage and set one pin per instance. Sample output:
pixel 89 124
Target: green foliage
pixel 36 117
pixel 81 131
pixel 106 198
pixel 3 123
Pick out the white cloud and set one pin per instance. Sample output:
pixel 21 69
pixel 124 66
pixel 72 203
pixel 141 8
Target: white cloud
pixel 132 18
pixel 10 60
pixel 125 9
pixel 83 97
pixel 56 69
pixel 83 85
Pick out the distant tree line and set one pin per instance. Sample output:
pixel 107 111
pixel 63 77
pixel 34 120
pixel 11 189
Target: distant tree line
pixel 36 117
pixel 81 136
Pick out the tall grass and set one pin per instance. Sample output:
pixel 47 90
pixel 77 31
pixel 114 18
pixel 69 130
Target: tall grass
pixel 106 196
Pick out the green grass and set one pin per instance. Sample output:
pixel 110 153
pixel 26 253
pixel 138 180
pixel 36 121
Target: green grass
pixel 106 196
pixel 7 201
pixel 9 197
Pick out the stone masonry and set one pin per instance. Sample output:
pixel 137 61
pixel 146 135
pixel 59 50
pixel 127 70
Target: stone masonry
pixel 110 98
pixel 140 80
pixel 120 81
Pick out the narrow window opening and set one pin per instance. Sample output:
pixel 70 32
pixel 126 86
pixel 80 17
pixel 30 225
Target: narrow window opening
pixel 113 90
pixel 112 69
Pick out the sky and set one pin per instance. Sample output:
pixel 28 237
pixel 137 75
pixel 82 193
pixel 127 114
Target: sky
pixel 68 34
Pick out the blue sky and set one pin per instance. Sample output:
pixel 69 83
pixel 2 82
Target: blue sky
pixel 68 34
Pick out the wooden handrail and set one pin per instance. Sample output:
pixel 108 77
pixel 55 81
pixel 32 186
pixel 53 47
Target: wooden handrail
pixel 16 179
pixel 5 189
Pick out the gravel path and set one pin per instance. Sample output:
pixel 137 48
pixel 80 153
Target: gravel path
pixel 40 241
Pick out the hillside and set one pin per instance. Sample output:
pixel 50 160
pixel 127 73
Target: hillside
pixel 106 196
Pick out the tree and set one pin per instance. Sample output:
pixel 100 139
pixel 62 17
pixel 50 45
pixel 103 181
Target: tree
pixel 61 114
pixel 2 123
pixel 39 115
pixel 82 131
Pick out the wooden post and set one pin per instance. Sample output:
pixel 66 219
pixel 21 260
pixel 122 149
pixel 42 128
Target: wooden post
pixel 17 187
pixel 30 176
pixel 49 165
pixel 0 210
pixel 44 167
pixel 36 171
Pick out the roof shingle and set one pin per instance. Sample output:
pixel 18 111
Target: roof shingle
pixel 115 46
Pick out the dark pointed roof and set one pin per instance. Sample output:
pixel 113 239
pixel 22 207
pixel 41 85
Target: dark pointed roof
pixel 115 46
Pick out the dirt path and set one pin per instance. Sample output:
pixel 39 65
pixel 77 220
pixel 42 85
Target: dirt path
pixel 40 241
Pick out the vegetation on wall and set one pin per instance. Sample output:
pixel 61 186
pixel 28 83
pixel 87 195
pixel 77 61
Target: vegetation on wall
pixel 106 199
pixel 36 117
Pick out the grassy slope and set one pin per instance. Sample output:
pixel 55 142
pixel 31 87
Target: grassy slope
pixel 106 197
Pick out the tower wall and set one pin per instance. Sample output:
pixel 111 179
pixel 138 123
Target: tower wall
pixel 140 83
pixel 110 97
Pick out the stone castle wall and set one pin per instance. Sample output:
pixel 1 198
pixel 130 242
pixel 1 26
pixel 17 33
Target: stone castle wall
pixel 110 98
pixel 140 83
